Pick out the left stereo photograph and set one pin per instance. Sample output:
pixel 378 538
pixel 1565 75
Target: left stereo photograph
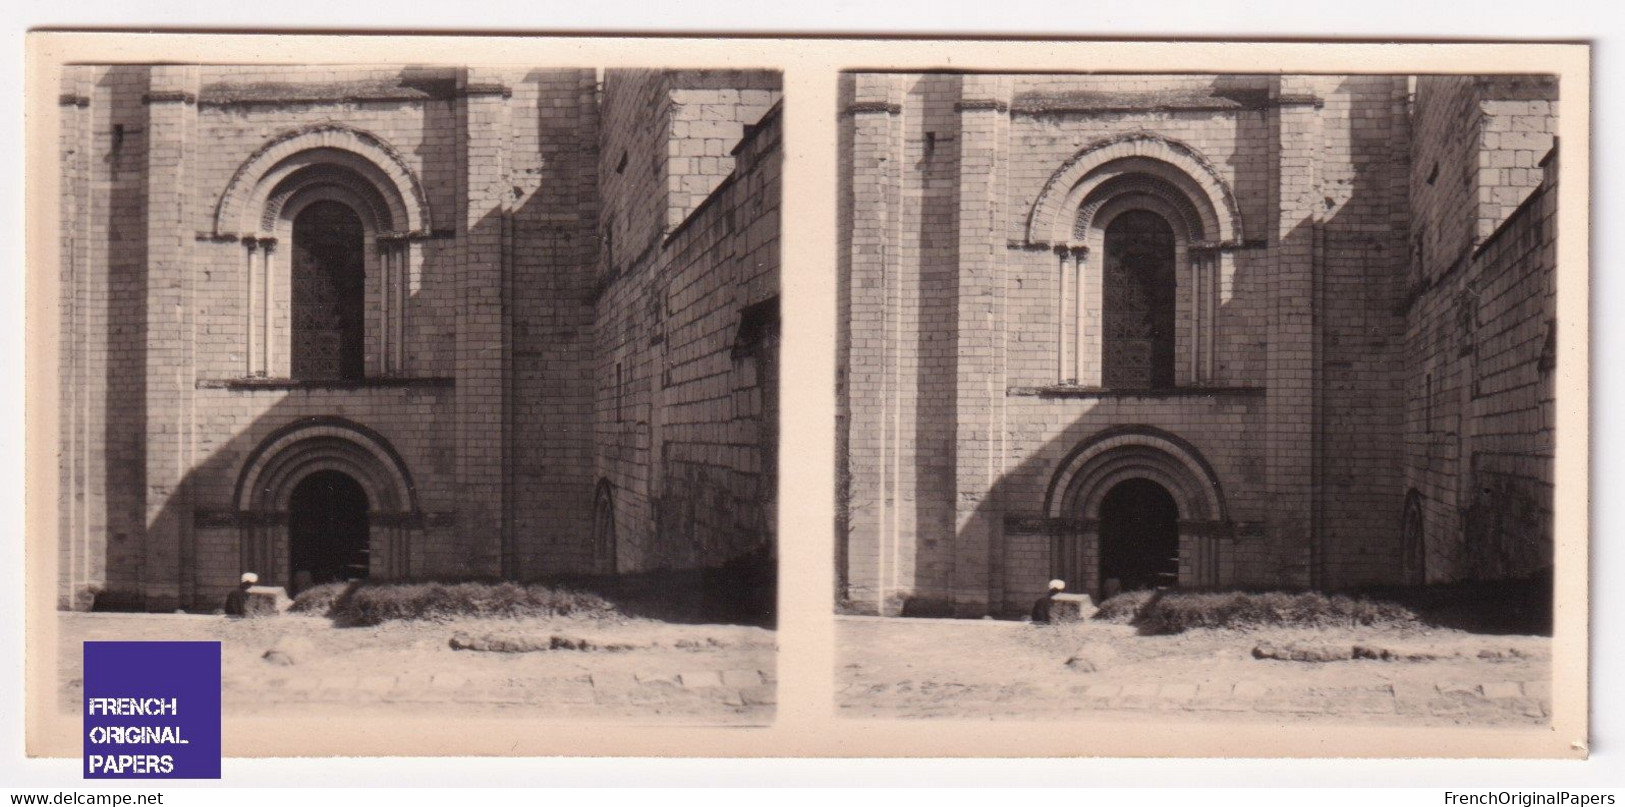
pixel 425 390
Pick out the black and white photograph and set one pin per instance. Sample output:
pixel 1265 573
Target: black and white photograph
pixel 426 390
pixel 420 409
pixel 1220 397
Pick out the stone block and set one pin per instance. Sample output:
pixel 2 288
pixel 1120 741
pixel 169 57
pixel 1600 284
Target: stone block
pixel 1065 608
pixel 267 601
pixel 741 678
pixel 760 695
pixel 376 684
pixel 1104 690
pixel 448 682
pixel 1092 657
pixel 701 680
pixel 290 650
pixel 1541 690
pixel 1178 692
pixel 1249 690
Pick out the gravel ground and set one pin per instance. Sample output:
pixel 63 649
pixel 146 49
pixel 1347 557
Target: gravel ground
pixel 997 669
pixel 703 673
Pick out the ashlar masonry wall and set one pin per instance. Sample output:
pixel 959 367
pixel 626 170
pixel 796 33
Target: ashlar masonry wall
pixel 971 315
pixel 471 429
pixel 1481 308
pixel 687 368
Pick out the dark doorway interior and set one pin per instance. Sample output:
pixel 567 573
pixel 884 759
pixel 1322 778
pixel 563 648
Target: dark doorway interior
pixel 1412 540
pixel 327 530
pixel 1139 536
pixel 329 274
pixel 603 529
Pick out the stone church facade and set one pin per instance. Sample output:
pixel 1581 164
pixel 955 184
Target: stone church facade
pixel 412 323
pixel 1209 331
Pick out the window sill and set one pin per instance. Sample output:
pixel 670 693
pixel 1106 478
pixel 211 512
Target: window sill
pixel 325 384
pixel 1075 391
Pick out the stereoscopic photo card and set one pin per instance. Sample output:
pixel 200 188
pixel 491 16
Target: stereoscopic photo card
pixel 808 397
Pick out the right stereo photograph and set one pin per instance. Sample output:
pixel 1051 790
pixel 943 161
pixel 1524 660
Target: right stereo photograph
pixel 1228 394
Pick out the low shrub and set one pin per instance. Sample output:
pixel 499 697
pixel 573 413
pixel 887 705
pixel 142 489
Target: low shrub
pixel 319 599
pixel 363 603
pixel 1170 612
pixel 1124 608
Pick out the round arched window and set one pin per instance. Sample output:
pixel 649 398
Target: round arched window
pixel 328 277
pixel 1139 286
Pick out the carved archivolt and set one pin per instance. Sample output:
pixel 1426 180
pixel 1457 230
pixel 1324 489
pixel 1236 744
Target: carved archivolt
pixel 1134 452
pixel 286 457
pixel 332 153
pixel 1139 162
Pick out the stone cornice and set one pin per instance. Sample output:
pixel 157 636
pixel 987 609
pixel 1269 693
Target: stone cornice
pixel 1045 107
pixel 982 105
pixel 1298 99
pixel 169 97
pixel 864 107
pixel 484 88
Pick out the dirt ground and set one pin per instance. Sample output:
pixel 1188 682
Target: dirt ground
pixel 890 667
pixel 681 673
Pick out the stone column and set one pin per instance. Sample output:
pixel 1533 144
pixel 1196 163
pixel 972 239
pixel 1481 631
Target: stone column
pixel 1066 340
pixel 383 258
pixel 1212 288
pixel 251 305
pixel 984 123
pixel 872 179
pixel 406 261
pixel 81 417
pixel 1290 402
pixel 275 326
pixel 171 102
pixel 482 109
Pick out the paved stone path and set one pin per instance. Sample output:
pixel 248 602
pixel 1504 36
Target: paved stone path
pixel 1009 670
pixel 1525 700
pixel 710 674
pixel 738 688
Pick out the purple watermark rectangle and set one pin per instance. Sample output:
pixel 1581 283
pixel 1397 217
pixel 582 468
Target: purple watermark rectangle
pixel 152 710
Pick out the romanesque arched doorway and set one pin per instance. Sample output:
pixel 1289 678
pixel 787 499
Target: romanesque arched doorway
pixel 328 538
pixel 1139 537
pixel 1138 505
pixel 331 498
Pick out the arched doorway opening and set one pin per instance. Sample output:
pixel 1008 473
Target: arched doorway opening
pixel 1413 543
pixel 603 529
pixel 1139 537
pixel 329 291
pixel 1165 500
pixel 328 530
